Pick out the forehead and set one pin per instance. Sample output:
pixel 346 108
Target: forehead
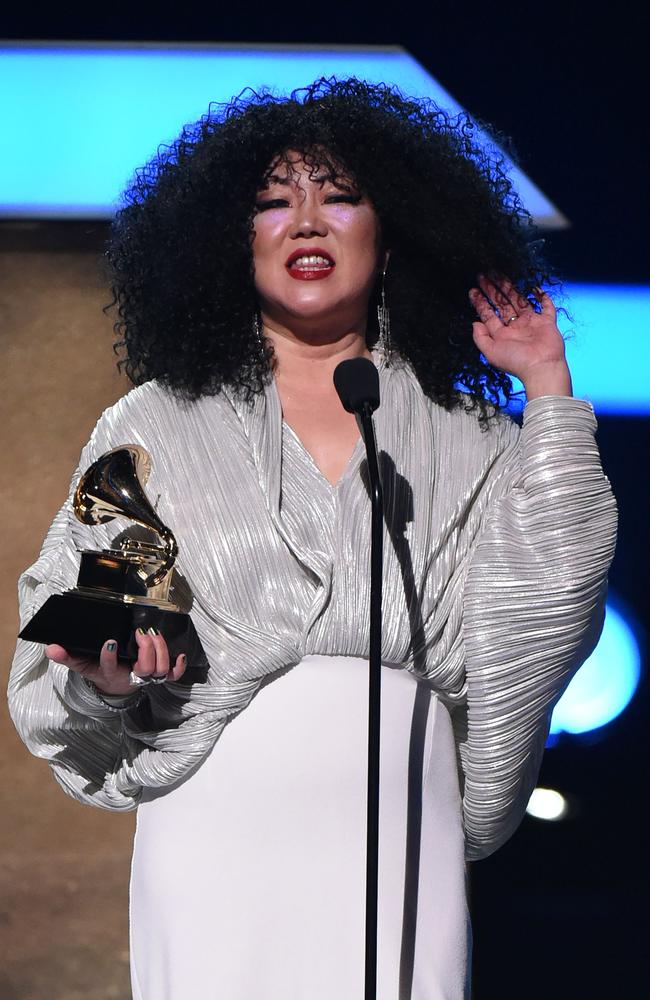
pixel 295 167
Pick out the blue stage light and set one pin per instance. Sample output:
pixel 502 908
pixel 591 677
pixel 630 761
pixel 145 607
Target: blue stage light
pixel 78 119
pixel 607 346
pixel 606 682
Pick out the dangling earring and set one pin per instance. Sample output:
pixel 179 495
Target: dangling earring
pixel 383 319
pixel 259 336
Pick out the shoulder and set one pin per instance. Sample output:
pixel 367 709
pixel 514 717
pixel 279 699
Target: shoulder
pixel 150 414
pixel 465 413
pixel 144 402
pixel 471 450
pixel 153 403
pixel 460 425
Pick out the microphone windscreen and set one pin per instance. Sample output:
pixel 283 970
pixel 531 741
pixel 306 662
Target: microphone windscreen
pixel 357 383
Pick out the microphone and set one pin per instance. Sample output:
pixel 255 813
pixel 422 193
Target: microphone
pixel 357 383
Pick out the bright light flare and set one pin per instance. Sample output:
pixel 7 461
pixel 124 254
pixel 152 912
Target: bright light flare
pixel 547 804
pixel 605 683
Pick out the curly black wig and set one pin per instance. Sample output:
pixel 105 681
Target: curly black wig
pixel 181 260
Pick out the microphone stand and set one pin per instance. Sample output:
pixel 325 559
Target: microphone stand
pixel 357 384
pixel 364 418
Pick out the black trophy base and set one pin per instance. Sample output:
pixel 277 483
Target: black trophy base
pixel 83 624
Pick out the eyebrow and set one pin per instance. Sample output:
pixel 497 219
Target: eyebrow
pixel 318 179
pixel 275 179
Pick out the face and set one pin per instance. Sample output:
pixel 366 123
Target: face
pixel 316 249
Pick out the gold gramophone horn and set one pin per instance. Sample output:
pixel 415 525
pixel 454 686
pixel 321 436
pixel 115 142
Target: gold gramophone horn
pixel 125 588
pixel 114 486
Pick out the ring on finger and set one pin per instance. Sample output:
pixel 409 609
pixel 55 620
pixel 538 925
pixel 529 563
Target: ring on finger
pixel 139 681
pixel 507 322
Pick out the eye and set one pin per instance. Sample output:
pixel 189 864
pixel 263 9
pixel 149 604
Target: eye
pixel 349 199
pixel 264 206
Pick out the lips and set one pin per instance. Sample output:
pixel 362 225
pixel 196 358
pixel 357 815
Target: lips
pixel 310 264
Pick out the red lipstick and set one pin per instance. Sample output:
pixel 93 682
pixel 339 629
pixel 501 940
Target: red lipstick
pixel 312 271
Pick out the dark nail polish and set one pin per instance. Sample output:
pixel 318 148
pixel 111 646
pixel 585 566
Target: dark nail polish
pixel 153 631
pixel 141 631
pixel 111 647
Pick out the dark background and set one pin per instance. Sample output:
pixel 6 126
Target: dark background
pixel 561 910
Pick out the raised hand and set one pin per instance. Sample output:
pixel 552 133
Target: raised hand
pixel 513 336
pixel 115 678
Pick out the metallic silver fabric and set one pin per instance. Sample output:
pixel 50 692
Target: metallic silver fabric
pixel 497 546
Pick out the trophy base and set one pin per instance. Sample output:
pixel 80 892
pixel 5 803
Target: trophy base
pixel 82 625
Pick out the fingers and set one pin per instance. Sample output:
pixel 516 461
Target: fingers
pixel 500 304
pixel 160 651
pixel 103 670
pixel 546 303
pixel 485 312
pixel 178 669
pixel 153 662
pixel 110 670
pixel 482 338
pixel 153 658
pixel 509 299
pixel 503 297
pixel 59 654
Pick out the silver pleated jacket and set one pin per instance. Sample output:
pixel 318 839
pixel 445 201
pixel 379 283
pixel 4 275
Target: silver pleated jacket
pixel 497 544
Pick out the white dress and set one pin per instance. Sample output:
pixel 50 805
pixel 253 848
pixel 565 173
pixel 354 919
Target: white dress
pixel 248 878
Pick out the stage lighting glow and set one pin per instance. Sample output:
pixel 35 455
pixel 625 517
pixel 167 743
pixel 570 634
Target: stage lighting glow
pixel 607 346
pixel 606 682
pixel 102 110
pixel 546 803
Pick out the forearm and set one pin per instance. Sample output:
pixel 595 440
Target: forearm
pixel 532 608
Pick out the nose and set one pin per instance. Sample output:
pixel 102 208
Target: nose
pixel 308 220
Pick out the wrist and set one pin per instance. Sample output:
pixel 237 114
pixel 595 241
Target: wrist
pixel 116 701
pixel 551 379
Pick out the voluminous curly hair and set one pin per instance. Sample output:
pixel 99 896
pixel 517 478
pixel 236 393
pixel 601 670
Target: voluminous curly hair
pixel 181 250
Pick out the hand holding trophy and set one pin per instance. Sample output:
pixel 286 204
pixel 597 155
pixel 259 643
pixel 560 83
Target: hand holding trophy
pixel 120 609
pixel 114 677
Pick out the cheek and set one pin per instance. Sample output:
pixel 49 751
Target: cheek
pixel 368 242
pixel 262 240
pixel 265 274
pixel 257 246
pixel 368 238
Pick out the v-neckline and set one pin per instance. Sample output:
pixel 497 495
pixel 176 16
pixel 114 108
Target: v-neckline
pixel 379 361
pixel 351 463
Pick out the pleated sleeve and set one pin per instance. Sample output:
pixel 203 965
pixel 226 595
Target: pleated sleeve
pixel 58 715
pixel 532 608
pixel 99 750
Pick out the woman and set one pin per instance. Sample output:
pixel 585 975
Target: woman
pixel 273 240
